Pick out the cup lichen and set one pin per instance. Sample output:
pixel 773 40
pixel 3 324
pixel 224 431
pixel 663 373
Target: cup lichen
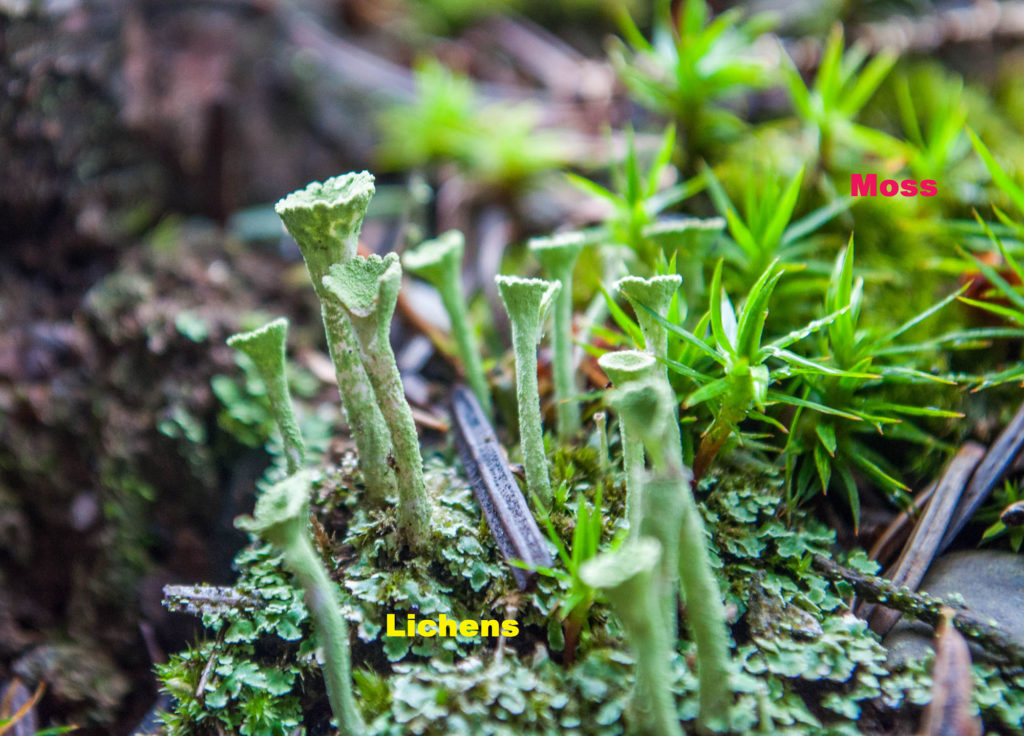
pixel 648 406
pixel 325 219
pixel 366 288
pixel 557 255
pixel 281 517
pixel 658 509
pixel 626 576
pixel 439 262
pixel 527 302
pixel 656 295
pixel 623 367
pixel 265 346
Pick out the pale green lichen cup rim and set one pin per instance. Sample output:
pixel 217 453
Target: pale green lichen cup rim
pixel 430 254
pixel 558 249
pixel 338 190
pixel 612 569
pixel 517 292
pixel 626 284
pixel 275 330
pixel 360 283
pixel 624 365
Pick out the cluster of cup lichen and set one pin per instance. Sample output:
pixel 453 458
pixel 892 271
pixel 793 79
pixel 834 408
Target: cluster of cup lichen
pixel 413 543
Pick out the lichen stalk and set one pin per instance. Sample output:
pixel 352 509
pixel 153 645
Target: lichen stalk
pixel 367 289
pixel 558 254
pixel 281 516
pixel 439 262
pixel 645 406
pixel 603 461
pixel 661 510
pixel 527 302
pixel 266 348
pixel 626 576
pixel 325 219
pixel 624 367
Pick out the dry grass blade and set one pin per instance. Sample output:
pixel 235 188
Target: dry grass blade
pixel 891 540
pixel 950 712
pixel 9 720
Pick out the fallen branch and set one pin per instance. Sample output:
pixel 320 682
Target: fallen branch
pixel 199 600
pixel 1000 647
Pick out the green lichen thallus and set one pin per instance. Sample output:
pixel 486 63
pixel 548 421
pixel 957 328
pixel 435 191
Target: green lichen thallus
pixel 514 529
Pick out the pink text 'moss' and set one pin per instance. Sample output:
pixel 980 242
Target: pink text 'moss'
pixel 869 186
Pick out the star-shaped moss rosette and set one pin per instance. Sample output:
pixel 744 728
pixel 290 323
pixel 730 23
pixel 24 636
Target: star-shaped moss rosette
pixel 266 348
pixel 558 254
pixel 528 302
pixel 367 290
pixel 651 295
pixel 439 262
pixel 624 367
pixel 325 218
pixel 281 517
pixel 626 575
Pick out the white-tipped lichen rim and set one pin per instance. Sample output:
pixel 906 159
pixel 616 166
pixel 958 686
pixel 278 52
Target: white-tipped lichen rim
pixel 631 362
pixel 567 240
pixel 683 225
pixel 329 193
pixel 612 569
pixel 635 287
pixel 435 252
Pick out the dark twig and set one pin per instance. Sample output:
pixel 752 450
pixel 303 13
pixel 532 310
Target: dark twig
pixel 928 609
pixel 923 544
pixel 997 462
pixel 200 600
pixel 509 518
